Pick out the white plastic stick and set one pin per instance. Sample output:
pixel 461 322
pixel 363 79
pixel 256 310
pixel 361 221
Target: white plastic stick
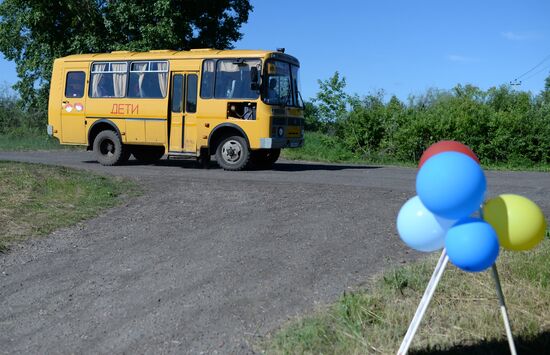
pixel 424 302
pixel 501 301
pixel 504 311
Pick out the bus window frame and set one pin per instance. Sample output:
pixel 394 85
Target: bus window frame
pixel 92 72
pixel 67 80
pixel 130 71
pixel 128 63
pixel 216 60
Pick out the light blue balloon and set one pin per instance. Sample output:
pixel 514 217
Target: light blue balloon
pixel 419 228
pixel 472 244
pixel 451 185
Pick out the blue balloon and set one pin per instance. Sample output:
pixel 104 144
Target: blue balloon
pixel 451 185
pixel 472 244
pixel 419 228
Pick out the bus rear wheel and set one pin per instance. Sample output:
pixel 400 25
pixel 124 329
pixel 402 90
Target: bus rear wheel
pixel 109 150
pixel 233 153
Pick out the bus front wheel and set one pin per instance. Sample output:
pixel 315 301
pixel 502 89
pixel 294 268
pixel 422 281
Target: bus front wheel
pixel 233 153
pixel 109 150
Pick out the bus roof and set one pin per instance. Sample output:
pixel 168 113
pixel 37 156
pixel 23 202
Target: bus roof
pixel 170 54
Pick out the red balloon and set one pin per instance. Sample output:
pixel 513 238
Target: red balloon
pixel 446 146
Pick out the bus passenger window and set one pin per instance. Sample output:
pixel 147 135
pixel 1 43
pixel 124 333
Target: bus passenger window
pixel 207 79
pixel 148 79
pixel 108 79
pixel 177 93
pixel 233 79
pixel 74 86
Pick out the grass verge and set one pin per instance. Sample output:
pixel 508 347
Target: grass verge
pixel 324 148
pixel 320 147
pixel 30 139
pixel 463 316
pixel 37 199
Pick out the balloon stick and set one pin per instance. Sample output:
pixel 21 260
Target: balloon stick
pixel 424 302
pixel 502 303
pixel 503 311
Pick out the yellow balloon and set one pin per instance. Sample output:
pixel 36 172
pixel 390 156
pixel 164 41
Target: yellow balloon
pixel 518 221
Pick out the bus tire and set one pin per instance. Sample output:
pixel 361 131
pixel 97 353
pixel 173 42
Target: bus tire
pixel 108 148
pixel 148 154
pixel 233 153
pixel 203 160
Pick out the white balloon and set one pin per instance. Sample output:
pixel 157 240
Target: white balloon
pixel 419 228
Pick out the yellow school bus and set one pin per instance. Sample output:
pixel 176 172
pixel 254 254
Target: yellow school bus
pixel 241 106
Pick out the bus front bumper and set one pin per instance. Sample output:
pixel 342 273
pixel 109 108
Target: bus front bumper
pixel 275 143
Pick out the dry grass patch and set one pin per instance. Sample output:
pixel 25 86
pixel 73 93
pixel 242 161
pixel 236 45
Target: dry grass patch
pixel 463 316
pixel 37 199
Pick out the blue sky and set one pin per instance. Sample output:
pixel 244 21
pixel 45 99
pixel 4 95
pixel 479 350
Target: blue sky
pixel 406 47
pixel 402 47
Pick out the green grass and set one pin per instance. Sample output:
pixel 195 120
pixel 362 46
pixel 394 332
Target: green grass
pixel 30 139
pixel 320 147
pixel 38 199
pixel 462 317
pixel 324 148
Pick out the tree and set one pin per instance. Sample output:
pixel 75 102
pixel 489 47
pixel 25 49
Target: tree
pixel 311 116
pixel 546 92
pixel 363 129
pixel 331 99
pixel 34 32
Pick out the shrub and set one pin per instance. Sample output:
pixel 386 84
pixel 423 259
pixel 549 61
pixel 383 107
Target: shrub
pixel 501 125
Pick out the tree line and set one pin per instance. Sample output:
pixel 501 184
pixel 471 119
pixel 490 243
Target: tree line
pixel 35 32
pixel 502 125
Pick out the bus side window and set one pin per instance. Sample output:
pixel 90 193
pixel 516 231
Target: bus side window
pixel 108 79
pixel 148 79
pixel 74 87
pixel 191 102
pixel 207 80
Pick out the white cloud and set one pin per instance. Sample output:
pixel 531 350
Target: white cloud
pixel 521 36
pixel 461 58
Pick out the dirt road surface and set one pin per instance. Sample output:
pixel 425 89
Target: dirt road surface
pixel 208 261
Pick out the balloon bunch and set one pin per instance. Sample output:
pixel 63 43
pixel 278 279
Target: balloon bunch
pixel 450 188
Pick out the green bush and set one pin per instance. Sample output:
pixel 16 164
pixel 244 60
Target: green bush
pixel 14 120
pixel 22 129
pixel 319 146
pixel 502 126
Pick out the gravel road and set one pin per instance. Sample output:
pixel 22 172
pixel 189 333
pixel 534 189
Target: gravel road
pixel 208 261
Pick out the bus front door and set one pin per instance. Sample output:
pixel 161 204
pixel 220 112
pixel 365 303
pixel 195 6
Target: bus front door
pixel 183 120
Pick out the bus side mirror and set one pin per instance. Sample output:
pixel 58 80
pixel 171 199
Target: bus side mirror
pixel 254 79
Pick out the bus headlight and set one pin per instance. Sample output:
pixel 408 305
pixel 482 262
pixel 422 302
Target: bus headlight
pixel 280 131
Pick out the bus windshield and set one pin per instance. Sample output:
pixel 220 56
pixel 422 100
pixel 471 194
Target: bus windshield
pixel 282 84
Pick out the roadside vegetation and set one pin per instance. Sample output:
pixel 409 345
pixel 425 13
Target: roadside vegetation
pixel 38 199
pixel 23 129
pixel 29 139
pixel 506 128
pixel 463 316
